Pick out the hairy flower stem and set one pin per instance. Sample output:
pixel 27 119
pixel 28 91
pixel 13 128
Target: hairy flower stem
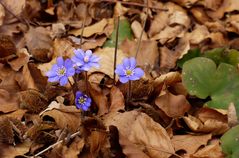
pixel 116 46
pixel 87 84
pixel 129 93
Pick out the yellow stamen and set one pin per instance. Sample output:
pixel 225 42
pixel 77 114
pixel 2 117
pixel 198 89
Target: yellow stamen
pixel 81 100
pixel 61 71
pixel 128 72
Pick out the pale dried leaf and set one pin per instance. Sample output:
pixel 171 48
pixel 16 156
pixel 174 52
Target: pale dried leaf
pixel 2 14
pixel 199 34
pixel 232 115
pixel 8 102
pixel 137 29
pixel 116 99
pixel 190 143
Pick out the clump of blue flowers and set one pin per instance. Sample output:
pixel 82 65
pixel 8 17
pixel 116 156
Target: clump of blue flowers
pixel 127 71
pixel 82 101
pixel 61 71
pixel 83 61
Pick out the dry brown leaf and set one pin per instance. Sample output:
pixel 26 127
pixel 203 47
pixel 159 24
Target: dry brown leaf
pixel 148 52
pixel 6 131
pixel 43 42
pixel 58 30
pixel 190 143
pixel 159 22
pixel 130 149
pixel 180 18
pixel 169 34
pixel 8 151
pixel 8 101
pixel 2 14
pixel 74 149
pixel 119 10
pixel 22 59
pixel 7 47
pixel 199 34
pixel 107 60
pixel 96 28
pixel 142 130
pixel 15 8
pixel 93 43
pixel 137 29
pixel 232 115
pixel 116 99
pixel 65 119
pixel 100 99
pixel 18 114
pixel 210 151
pixel 169 78
pixel 167 59
pixel 173 105
pixel 211 4
pixel 96 141
pixel 200 15
pixel 186 3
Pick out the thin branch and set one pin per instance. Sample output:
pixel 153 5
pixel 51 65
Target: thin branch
pixel 142 31
pixel 53 145
pixel 116 46
pixel 132 4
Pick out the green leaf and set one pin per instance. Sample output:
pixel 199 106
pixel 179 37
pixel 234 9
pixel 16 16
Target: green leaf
pixel 202 78
pixel 191 54
pixel 230 142
pixel 124 33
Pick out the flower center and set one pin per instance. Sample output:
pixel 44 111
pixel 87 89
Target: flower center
pixel 86 59
pixel 81 100
pixel 61 71
pixel 129 72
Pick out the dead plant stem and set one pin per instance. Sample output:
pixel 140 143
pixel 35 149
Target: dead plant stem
pixel 116 46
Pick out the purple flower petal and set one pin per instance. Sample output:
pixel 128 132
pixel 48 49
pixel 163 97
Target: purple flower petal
pixel 120 70
pixel 68 64
pixel 60 61
pixel 123 79
pixel 126 63
pixel 51 73
pixel 138 72
pixel 70 72
pixel 63 80
pixel 79 53
pixel 53 79
pixel 132 63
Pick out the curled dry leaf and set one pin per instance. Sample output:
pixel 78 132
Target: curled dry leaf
pixel 137 29
pixel 213 150
pixel 190 143
pixel 97 141
pixel 232 115
pixel 199 34
pixel 168 79
pixel 21 60
pixel 173 105
pixel 93 43
pixel 116 100
pixel 74 149
pixel 71 120
pixel 142 130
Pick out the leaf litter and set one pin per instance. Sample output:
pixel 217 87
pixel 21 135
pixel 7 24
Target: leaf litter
pixel 161 121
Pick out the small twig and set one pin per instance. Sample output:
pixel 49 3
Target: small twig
pixel 142 31
pixel 53 145
pixel 132 4
pixel 116 46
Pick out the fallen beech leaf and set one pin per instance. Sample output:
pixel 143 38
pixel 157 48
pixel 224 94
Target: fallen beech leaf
pixel 33 101
pixel 210 151
pixel 22 59
pixel 96 140
pixel 147 55
pixel 8 101
pixel 179 17
pixel 62 47
pixel 142 130
pixel 6 131
pixel 8 151
pixel 18 114
pixel 93 43
pixel 137 29
pixel 71 120
pixel 159 22
pixel 167 59
pixel 190 143
pixel 169 78
pixel 199 34
pixel 15 8
pixel 96 28
pixel 116 99
pixel 200 15
pixel 186 3
pixel 173 105
pixel 232 115
pixel 130 149
pixel 43 42
pixel 107 60
pixel 74 149
pixel 211 4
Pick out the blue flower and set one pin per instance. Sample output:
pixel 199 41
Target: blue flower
pixel 82 101
pixel 61 71
pixel 85 60
pixel 128 71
